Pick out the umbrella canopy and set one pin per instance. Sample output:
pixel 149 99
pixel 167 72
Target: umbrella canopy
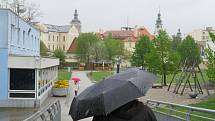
pixel 104 97
pixel 132 111
pixel 76 79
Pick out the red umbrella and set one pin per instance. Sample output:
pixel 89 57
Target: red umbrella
pixel 76 79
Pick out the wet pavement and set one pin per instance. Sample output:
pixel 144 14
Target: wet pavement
pixel 19 114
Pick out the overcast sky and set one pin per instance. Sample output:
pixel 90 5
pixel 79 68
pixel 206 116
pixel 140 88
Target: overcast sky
pixel 113 14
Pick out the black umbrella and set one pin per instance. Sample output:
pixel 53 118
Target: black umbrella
pixel 104 97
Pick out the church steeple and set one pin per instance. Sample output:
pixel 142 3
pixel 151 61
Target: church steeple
pixel 76 15
pixel 76 22
pixel 179 33
pixel 158 24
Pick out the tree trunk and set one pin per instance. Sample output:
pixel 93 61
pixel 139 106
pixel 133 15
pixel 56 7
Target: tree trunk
pixel 164 78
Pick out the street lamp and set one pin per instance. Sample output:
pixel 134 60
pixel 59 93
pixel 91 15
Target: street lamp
pixel 118 61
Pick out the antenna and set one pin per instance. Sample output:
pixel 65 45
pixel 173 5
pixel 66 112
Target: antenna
pixel 127 21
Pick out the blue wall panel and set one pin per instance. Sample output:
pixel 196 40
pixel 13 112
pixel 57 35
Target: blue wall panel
pixel 4 74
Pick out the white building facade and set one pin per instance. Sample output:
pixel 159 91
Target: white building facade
pixel 203 39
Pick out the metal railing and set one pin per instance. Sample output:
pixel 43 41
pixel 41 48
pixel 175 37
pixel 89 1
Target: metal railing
pixel 51 112
pixel 165 111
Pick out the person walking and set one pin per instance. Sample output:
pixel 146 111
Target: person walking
pixel 76 87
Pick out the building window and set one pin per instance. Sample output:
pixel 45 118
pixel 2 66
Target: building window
pixel 23 38
pixel 32 40
pixel 53 37
pixel 49 37
pixel 64 47
pixel 12 33
pixel 35 43
pixel 49 47
pixel 53 47
pixel 64 38
pixel 57 38
pixel 18 36
pixel 22 79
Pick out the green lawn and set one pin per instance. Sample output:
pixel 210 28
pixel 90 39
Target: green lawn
pixel 209 104
pixel 64 75
pixel 97 76
pixel 169 78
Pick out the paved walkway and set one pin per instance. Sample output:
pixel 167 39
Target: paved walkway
pixel 66 102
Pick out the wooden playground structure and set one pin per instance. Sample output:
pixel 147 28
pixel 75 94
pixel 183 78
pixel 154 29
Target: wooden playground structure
pixel 188 72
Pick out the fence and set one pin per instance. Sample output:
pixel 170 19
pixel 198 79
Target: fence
pixel 51 112
pixel 175 112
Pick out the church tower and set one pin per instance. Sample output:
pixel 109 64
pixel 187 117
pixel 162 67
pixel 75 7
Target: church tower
pixel 179 35
pixel 158 25
pixel 76 22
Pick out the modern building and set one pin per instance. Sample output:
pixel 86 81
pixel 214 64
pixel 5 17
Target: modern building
pixel 25 77
pixel 203 39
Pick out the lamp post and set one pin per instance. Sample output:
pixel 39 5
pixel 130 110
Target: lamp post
pixel 118 61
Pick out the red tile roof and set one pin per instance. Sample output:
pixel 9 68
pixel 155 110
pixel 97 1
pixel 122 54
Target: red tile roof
pixel 73 46
pixel 132 35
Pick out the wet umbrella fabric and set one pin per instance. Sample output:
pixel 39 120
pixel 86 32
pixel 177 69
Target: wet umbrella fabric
pixel 132 111
pixel 104 97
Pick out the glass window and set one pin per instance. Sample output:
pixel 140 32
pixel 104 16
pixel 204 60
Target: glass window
pixel 18 36
pixel 64 38
pixel 22 79
pixel 63 47
pixel 23 38
pixel 12 33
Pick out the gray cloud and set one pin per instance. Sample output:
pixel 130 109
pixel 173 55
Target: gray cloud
pixel 112 14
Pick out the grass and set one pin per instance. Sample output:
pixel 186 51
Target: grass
pixel 97 76
pixel 64 75
pixel 209 104
pixel 169 78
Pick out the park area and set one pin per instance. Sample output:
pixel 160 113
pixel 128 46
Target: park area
pixel 161 94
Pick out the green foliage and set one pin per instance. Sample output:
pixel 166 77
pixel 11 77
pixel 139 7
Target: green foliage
pixel 189 51
pixel 142 47
pixel 87 47
pixel 43 49
pixel 98 76
pixel 176 42
pixel 113 47
pixel 59 53
pixel 211 61
pixel 152 60
pixel 64 75
pixel 212 36
pixel 168 61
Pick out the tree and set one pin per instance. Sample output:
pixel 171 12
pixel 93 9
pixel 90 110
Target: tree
pixel 142 47
pixel 113 47
pixel 59 53
pixel 29 11
pixel 87 44
pixel 167 60
pixel 43 49
pixel 176 42
pixel 210 72
pixel 153 60
pixel 189 51
pixel 32 12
